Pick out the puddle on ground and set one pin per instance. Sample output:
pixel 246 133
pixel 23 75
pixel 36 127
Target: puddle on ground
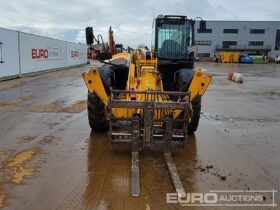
pixel 56 107
pixel 220 117
pixel 14 170
pixel 3 155
pixel 52 125
pixel 63 73
pixel 17 165
pixel 20 172
pixel 2 200
pixel 14 104
pixel 15 82
pixel 27 138
pixel 47 139
pixel 19 104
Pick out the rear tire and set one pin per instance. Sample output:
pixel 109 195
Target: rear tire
pixel 96 113
pixel 196 106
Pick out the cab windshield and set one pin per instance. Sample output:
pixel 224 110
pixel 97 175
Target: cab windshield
pixel 173 40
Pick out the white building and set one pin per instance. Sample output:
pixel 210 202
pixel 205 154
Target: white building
pixel 247 37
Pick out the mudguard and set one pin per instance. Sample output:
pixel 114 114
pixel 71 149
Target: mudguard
pixel 184 79
pixel 106 76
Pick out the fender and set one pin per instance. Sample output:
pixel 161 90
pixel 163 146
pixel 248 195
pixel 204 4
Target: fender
pixel 105 75
pixel 183 78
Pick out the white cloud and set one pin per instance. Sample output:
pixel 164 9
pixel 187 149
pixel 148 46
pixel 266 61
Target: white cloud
pixel 80 37
pixel 131 20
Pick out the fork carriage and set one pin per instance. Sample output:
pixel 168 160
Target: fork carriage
pixel 151 113
pixel 154 120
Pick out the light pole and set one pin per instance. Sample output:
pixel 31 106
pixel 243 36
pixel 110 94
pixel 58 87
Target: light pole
pixel 1 58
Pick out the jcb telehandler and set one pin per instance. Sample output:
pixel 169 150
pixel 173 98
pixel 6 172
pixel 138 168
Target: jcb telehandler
pixel 150 99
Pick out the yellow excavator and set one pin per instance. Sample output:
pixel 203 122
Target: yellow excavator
pixel 150 99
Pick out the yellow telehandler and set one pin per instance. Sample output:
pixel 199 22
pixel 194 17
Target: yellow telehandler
pixel 150 99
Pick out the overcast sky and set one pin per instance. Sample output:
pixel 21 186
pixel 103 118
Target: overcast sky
pixel 131 20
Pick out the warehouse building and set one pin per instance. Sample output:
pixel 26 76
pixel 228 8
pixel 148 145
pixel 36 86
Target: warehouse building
pixel 246 37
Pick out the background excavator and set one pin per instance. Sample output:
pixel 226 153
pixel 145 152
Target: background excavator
pixel 150 99
pixel 96 44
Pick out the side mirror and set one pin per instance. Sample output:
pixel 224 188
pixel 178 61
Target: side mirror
pixel 104 56
pixel 202 25
pixel 89 35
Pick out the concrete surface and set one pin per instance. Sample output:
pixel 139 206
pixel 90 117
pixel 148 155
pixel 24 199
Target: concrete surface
pixel 49 159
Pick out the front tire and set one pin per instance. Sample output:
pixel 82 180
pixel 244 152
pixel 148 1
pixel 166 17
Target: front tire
pixel 96 113
pixel 183 83
pixel 196 106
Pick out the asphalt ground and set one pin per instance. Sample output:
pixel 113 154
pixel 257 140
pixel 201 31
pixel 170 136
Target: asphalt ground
pixel 50 159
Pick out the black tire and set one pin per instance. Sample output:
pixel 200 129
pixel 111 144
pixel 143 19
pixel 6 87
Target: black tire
pixel 96 113
pixel 183 83
pixel 196 106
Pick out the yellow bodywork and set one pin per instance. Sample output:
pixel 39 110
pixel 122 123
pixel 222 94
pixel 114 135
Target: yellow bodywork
pixel 143 76
pixel 94 84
